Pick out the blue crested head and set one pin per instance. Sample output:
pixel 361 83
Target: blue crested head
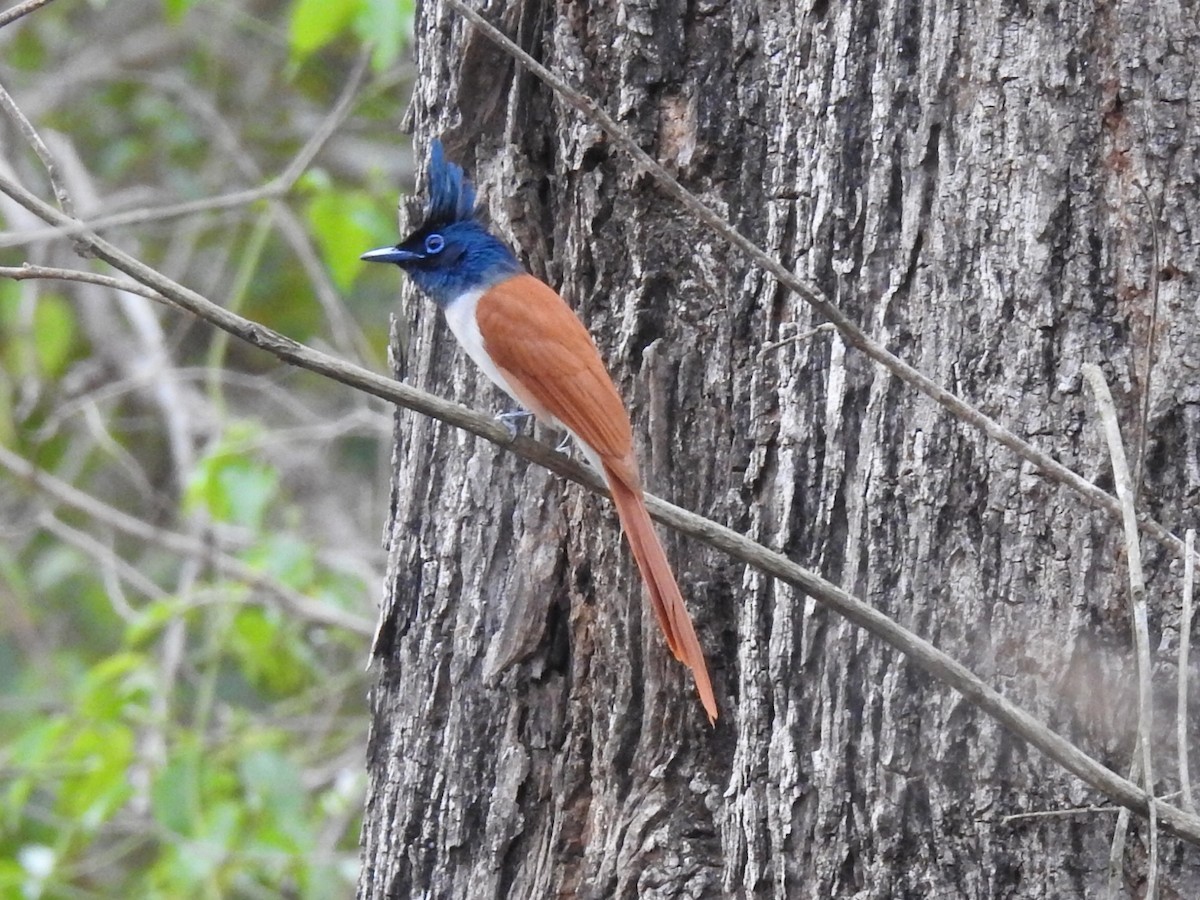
pixel 451 194
pixel 451 253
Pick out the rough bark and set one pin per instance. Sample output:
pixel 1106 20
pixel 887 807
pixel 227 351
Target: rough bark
pixel 980 184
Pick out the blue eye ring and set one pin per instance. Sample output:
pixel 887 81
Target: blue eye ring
pixel 434 244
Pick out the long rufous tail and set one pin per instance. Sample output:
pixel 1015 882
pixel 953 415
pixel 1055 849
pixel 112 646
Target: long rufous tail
pixel 660 581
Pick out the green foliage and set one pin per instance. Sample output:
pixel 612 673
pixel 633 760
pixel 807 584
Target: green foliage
pixel 174 724
pixel 225 790
pixel 343 222
pixel 37 335
pixel 229 484
pixel 384 24
pixel 53 334
pixel 316 23
pixel 177 9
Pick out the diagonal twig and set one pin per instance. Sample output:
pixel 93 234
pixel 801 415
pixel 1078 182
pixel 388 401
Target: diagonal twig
pixel 232 200
pixel 1137 596
pixel 276 187
pixel 1148 362
pixel 39 147
pixel 29 271
pixel 183 544
pixel 1185 642
pixel 106 557
pixel 330 124
pixel 21 9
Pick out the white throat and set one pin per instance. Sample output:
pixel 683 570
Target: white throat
pixel 460 316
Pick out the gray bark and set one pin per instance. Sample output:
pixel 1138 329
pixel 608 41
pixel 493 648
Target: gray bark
pixel 967 180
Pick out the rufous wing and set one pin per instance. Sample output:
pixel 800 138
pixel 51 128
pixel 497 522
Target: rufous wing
pixel 538 341
pixel 554 368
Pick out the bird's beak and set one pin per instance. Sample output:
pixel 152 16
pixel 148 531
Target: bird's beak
pixel 391 255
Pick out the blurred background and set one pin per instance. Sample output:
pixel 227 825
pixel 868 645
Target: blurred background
pixel 190 531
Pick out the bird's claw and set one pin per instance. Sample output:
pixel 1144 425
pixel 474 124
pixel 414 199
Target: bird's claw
pixel 510 419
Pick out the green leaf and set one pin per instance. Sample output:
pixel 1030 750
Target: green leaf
pixel 346 225
pixel 53 333
pixel 101 755
pixel 151 620
pixel 177 9
pixel 315 23
pixel 272 784
pixel 190 865
pixel 32 756
pixel 247 487
pixel 387 25
pixel 231 485
pixel 286 557
pixel 26 49
pixel 266 652
pixel 253 633
pixel 220 833
pixel 116 689
pixel 175 795
pixel 17 352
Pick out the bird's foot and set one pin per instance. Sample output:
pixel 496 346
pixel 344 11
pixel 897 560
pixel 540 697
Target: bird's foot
pixel 564 446
pixel 510 419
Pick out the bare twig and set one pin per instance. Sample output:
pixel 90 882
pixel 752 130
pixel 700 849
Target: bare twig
pixel 1116 849
pixel 918 650
pixel 189 547
pixel 271 190
pixel 344 332
pixel 1059 813
pixel 21 9
pixel 1151 338
pixel 231 200
pixel 1065 812
pixel 1185 641
pixel 796 338
pixel 811 293
pixel 328 126
pixel 108 559
pixel 1137 595
pixel 39 147
pixel 27 271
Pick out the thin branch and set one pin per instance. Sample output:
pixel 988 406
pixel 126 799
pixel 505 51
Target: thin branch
pixel 918 650
pixel 190 547
pixel 9 105
pixel 1137 595
pixel 146 214
pixel 1151 338
pixel 1185 641
pixel 21 9
pixel 795 338
pixel 108 559
pixel 811 293
pixel 341 109
pixel 1116 849
pixel 1060 813
pixel 27 271
pixel 344 332
pixel 271 190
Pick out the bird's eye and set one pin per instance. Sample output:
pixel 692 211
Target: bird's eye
pixel 434 243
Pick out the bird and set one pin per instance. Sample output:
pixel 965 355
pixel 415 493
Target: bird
pixel 532 345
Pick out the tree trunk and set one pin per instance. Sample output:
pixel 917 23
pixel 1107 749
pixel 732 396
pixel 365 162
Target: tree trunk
pixel 981 186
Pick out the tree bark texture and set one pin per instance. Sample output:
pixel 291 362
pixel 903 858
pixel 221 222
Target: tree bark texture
pixel 981 185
